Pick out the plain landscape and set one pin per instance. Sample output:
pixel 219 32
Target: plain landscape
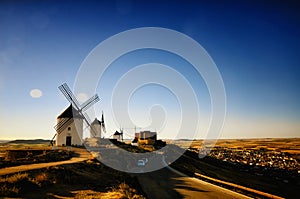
pixel 89 178
pixel 114 99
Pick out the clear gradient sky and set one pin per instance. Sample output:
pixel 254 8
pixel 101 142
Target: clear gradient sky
pixel 255 44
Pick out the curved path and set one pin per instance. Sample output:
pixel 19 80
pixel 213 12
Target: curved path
pixel 81 155
pixel 170 183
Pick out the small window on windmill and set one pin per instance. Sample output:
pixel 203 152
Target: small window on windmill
pixel 69 128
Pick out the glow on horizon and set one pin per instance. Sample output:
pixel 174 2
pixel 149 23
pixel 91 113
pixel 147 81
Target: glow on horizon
pixel 255 48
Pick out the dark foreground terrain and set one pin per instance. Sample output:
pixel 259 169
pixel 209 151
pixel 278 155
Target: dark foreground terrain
pixel 88 179
pixel 242 162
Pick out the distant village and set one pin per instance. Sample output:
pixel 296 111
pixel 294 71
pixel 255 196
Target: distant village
pixel 260 162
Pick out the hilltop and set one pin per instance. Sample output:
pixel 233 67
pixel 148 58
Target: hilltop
pixel 31 141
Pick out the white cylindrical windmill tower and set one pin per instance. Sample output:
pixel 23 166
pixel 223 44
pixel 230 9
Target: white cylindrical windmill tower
pixel 97 127
pixel 95 130
pixel 70 128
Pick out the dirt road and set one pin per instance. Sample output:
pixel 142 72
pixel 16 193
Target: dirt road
pixel 169 183
pixel 80 155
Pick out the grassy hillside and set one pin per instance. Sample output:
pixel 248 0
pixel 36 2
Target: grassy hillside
pixel 34 141
pixel 89 179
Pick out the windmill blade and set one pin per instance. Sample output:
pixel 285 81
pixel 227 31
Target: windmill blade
pixel 79 111
pixel 102 123
pixel 86 119
pixel 62 125
pixel 64 88
pixel 103 127
pixel 51 141
pixel 102 118
pixel 86 116
pixel 87 104
pixel 88 123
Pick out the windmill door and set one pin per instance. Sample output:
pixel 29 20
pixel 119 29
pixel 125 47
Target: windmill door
pixel 68 140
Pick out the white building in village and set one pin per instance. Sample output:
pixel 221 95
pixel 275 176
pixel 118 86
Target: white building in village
pixel 70 128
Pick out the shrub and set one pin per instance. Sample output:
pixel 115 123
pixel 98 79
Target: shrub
pixel 41 179
pixel 10 186
pixel 15 178
pixel 8 191
pixel 122 191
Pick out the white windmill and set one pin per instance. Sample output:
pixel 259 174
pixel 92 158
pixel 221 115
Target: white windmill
pixel 97 127
pixel 69 127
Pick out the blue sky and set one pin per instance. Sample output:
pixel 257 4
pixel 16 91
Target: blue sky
pixel 255 45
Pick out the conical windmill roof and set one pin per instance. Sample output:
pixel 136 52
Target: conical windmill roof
pixel 96 121
pixel 70 112
pixel 118 133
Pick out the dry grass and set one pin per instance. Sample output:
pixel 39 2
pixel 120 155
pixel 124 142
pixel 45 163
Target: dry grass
pixel 290 145
pixel 41 179
pixel 10 186
pixel 8 191
pixel 13 185
pixel 122 191
pixel 85 180
pixel 4 147
pixel 87 194
pixel 14 178
pixel 30 156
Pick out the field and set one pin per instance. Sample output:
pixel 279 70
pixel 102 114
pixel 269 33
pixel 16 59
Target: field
pixel 21 152
pixel 23 144
pixel 282 181
pixel 84 179
pixel 290 145
pixel 92 179
pixel 285 145
pixel 88 179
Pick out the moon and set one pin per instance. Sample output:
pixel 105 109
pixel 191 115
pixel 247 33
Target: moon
pixel 36 93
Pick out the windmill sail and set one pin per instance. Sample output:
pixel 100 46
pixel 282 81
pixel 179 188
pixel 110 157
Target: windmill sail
pixel 69 95
pixel 90 102
pixel 102 123
pixel 77 112
pixel 63 124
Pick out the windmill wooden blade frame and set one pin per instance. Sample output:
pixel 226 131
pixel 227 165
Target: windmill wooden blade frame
pixel 102 123
pixel 63 124
pixel 87 104
pixel 88 123
pixel 64 88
